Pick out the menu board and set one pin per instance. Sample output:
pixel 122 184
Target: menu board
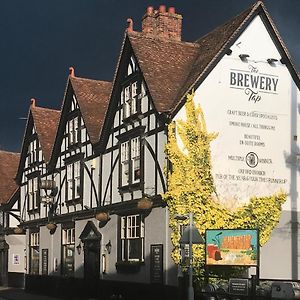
pixel 156 267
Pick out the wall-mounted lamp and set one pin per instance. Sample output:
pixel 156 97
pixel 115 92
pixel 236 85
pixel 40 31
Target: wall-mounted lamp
pixel 271 61
pixel 108 247
pixel 228 52
pixel 244 57
pixel 79 248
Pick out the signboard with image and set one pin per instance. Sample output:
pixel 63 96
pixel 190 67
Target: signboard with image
pixel 232 247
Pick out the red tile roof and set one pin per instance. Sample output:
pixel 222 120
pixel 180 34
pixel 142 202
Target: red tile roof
pixel 171 69
pixel 165 65
pixel 45 122
pixel 93 98
pixel 9 162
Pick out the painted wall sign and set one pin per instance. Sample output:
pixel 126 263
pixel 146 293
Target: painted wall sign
pixel 156 266
pixel 234 247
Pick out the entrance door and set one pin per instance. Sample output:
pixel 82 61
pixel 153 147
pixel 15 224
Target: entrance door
pixel 92 259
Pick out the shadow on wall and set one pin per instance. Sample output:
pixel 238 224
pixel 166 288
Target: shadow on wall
pixel 72 288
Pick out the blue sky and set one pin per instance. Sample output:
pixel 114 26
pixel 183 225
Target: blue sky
pixel 40 39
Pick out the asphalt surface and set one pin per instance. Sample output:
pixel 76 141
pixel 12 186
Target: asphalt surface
pixel 19 294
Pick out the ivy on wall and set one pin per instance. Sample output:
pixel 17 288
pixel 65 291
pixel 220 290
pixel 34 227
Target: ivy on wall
pixel 191 187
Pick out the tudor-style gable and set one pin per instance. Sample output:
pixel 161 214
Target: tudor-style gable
pixel 73 160
pixel 36 149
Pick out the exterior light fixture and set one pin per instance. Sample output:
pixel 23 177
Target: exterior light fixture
pixel 271 61
pixel 229 52
pixel 244 57
pixel 108 247
pixel 79 248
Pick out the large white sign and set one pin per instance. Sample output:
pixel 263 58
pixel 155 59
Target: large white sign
pixel 250 112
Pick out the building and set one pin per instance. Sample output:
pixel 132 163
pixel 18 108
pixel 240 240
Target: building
pixel 12 238
pixel 92 175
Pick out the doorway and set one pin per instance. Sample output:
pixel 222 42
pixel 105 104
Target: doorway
pixel 91 239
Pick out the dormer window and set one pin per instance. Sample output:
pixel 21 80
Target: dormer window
pixel 74 131
pixel 129 98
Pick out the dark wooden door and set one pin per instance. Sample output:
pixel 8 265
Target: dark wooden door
pixel 92 259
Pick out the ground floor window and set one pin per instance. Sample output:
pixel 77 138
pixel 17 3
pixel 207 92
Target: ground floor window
pixel 132 238
pixel 34 252
pixel 68 251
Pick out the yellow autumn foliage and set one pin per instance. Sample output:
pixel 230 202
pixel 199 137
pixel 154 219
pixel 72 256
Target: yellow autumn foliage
pixel 191 187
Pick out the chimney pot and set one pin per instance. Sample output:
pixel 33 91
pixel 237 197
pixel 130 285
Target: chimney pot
pixel 72 72
pixel 129 25
pixel 32 102
pixel 162 9
pixel 172 10
pixel 149 10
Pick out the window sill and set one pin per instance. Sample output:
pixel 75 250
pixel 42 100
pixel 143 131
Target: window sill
pixel 73 201
pixel 130 187
pixel 33 211
pixel 128 266
pixel 133 118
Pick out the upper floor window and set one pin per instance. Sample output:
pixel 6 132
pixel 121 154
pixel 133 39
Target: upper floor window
pixel 33 194
pixel 129 98
pixel 68 251
pixel 132 238
pixel 73 190
pixel 130 162
pixel 34 247
pixel 33 152
pixel 74 130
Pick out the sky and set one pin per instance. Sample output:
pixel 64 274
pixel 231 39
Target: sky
pixel 41 39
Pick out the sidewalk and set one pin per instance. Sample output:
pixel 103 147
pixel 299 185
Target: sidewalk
pixel 19 294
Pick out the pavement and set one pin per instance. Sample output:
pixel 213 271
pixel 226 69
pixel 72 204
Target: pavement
pixel 7 293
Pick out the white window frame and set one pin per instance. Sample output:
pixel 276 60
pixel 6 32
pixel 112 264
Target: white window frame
pixel 68 248
pixel 34 244
pixel 129 99
pixel 73 179
pixel 33 150
pixel 131 161
pixel 33 193
pixel 132 229
pixel 74 130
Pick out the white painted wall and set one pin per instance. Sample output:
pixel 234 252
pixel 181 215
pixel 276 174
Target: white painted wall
pixel 263 124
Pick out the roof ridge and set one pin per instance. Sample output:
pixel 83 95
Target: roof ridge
pixel 9 152
pixel 142 35
pixel 89 79
pixel 44 108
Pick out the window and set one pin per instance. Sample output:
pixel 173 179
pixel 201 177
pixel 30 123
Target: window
pixel 33 194
pixel 73 190
pixel 132 238
pixel 129 97
pixel 68 251
pixel 130 162
pixel 34 252
pixel 33 152
pixel 74 131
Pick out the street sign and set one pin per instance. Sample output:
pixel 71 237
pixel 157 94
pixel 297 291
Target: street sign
pixel 196 237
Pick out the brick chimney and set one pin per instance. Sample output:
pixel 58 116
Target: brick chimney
pixel 162 23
